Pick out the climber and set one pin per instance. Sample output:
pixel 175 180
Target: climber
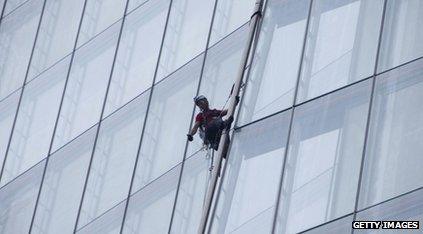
pixel 210 123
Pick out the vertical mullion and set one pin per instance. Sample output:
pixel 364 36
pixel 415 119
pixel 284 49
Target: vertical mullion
pixel 101 116
pixel 57 117
pixel 277 205
pixel 146 117
pixel 369 113
pixel 2 11
pixel 22 88
pixel 192 114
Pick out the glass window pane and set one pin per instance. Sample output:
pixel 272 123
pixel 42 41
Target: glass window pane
pixel 57 34
pixel 168 121
pixel 219 75
pixel 186 34
pixel 341 226
pixel 8 108
pixel 150 209
pixel 35 122
pixel 17 35
pixel 12 5
pixel 274 71
pixel 108 223
pixel 192 192
pixel 114 158
pixel 138 53
pixel 98 15
pixel 18 201
pixel 86 86
pixel 402 33
pixel 229 15
pixel 341 45
pixel 393 162
pixel 62 187
pixel 132 4
pixel 252 174
pixel 323 163
pixel 405 208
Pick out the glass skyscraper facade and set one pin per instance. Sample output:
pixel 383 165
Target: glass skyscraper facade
pixel 96 100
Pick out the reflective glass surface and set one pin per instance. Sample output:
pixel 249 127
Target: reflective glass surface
pixel 229 15
pixel 150 209
pixel 341 45
pixel 167 123
pixel 405 208
pixel 393 162
pixel 37 116
pixel 114 159
pixel 220 71
pixel 402 33
pixel 8 108
pixel 186 34
pixel 340 226
pixel 108 223
pixel 12 5
pixel 99 15
pixel 18 201
pixel 252 174
pixel 86 87
pixel 324 158
pixel 138 53
pixel 271 85
pixel 17 35
pixel 57 34
pixel 192 193
pixel 132 4
pixel 64 180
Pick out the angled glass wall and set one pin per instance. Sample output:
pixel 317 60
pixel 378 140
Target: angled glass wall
pixel 63 184
pixel 108 223
pixel 186 34
pixel 167 123
pixel 273 76
pixel 57 35
pixel 393 154
pixel 253 173
pixel 138 52
pixel 37 114
pixel 323 162
pixel 17 35
pixel 86 86
pixel 341 45
pixel 113 160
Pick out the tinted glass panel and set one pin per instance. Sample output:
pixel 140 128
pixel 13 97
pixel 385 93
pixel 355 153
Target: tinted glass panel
pixel 86 86
pixel 62 187
pixel 36 119
pixel 341 226
pixel 8 108
pixel 114 159
pixel 323 164
pixel 252 174
pixel 220 71
pixel 192 192
pixel 393 162
pixel 57 34
pixel 12 5
pixel 108 223
pixel 341 45
pixel 132 4
pixel 229 15
pixel 150 209
pixel 274 71
pixel 98 15
pixel 138 53
pixel 17 35
pixel 167 123
pixel 402 33
pixel 186 33
pixel 18 201
pixel 405 208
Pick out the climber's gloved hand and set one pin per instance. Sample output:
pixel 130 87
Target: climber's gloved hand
pixel 190 137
